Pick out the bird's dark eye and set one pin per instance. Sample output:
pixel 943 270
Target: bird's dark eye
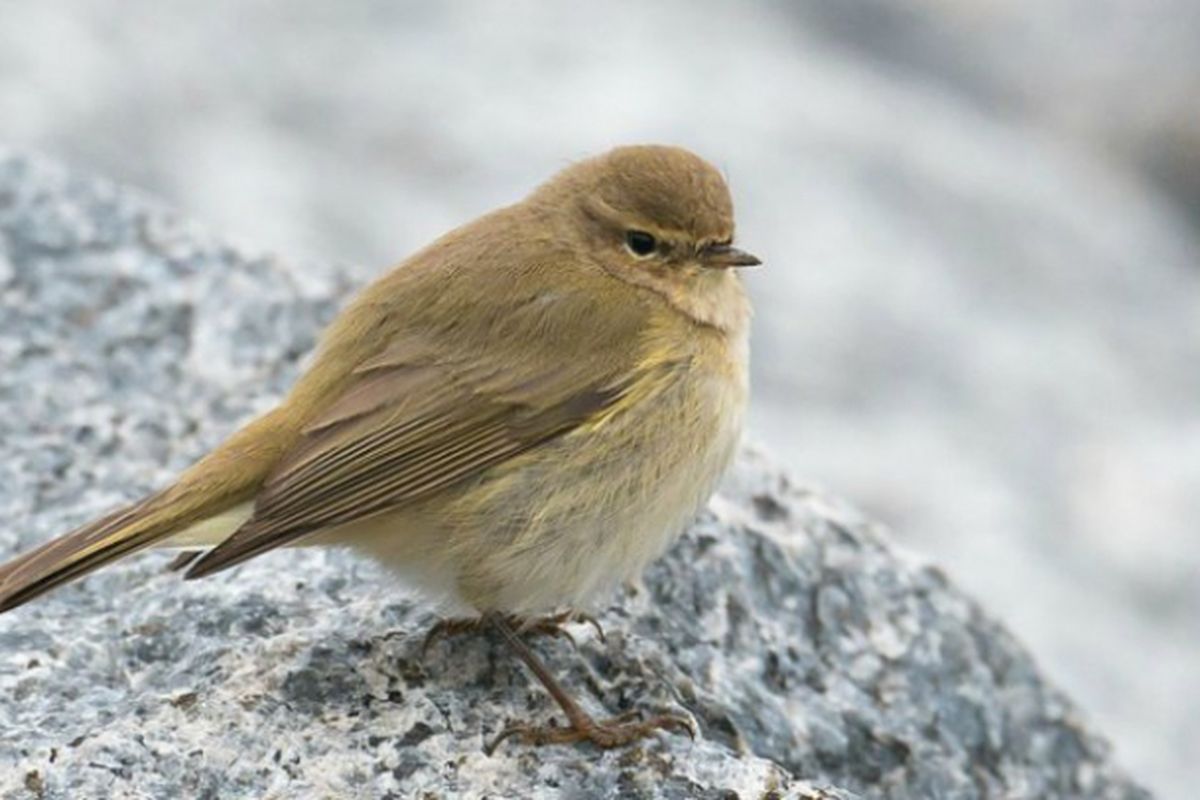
pixel 640 243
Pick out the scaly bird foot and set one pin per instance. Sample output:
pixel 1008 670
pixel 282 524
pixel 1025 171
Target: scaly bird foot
pixel 616 732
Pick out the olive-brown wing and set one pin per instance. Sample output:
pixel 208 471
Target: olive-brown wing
pixel 406 428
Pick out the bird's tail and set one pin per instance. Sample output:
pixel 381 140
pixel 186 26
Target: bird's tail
pixel 208 503
pixel 154 520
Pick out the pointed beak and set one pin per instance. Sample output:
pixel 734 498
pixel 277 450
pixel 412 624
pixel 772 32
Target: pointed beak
pixel 724 256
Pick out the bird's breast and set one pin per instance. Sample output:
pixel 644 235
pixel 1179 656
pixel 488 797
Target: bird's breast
pixel 597 506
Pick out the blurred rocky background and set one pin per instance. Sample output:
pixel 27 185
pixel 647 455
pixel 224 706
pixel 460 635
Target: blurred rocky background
pixel 980 314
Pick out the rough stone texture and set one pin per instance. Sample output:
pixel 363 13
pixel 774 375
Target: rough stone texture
pixel 979 222
pixel 817 660
pixel 980 314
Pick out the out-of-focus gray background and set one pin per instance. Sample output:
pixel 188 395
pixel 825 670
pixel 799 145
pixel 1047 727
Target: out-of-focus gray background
pixel 980 314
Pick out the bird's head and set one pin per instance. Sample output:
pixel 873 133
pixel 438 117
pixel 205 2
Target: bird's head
pixel 658 217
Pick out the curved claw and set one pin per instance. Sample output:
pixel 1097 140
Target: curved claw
pixel 545 626
pixel 432 636
pixel 684 723
pixel 490 747
pixel 447 627
pixel 554 628
pixel 616 732
pixel 567 617
pixel 595 623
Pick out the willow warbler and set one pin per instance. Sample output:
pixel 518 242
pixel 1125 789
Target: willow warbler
pixel 518 416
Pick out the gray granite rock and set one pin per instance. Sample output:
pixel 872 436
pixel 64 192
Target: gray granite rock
pixel 980 314
pixel 817 661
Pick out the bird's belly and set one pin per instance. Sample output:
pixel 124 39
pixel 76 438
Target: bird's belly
pixel 595 508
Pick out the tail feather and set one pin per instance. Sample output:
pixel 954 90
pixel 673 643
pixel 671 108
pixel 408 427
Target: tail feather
pixel 83 550
pixel 183 560
pixel 209 501
pixel 166 519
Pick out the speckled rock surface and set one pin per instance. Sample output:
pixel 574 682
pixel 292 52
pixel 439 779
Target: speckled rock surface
pixel 817 661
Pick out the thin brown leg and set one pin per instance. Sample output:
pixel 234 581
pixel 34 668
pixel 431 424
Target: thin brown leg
pixel 614 732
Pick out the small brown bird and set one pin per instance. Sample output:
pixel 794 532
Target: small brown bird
pixel 519 416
